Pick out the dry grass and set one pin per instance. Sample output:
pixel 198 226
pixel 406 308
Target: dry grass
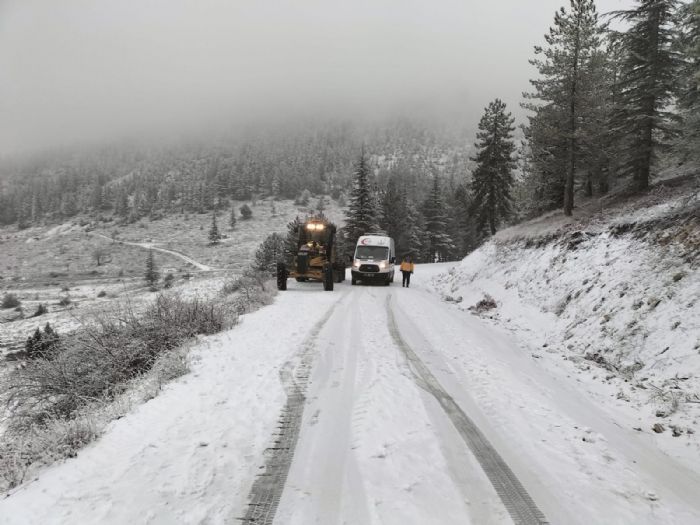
pixel 24 450
pixel 93 363
pixel 119 360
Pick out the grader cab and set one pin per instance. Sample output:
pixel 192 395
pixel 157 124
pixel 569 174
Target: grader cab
pixel 316 257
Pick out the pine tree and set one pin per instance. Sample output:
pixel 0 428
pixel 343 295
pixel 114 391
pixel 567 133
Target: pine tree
pixel 42 344
pixel 648 80
pixel 321 204
pixel 493 176
pixel 572 42
pixel 69 206
pixel 275 189
pixel 361 215
pixel 97 197
pixel 393 212
pixel 214 235
pixel 232 218
pixel 688 96
pixel 269 253
pixel 439 245
pixel 414 234
pixel 151 274
pixel 461 226
pixel 35 209
pixel 292 239
pixel 121 205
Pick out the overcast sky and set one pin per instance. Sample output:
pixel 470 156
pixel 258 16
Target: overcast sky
pixel 99 69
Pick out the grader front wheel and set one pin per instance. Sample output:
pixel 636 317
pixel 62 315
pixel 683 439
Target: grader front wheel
pixel 328 278
pixel 281 276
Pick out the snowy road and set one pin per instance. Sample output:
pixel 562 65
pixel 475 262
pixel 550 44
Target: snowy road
pixel 362 406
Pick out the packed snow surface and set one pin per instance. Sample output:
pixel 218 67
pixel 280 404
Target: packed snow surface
pixel 375 447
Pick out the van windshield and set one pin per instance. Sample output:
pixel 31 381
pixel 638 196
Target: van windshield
pixel 375 253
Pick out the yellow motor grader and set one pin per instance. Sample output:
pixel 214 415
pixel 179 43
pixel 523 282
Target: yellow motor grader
pixel 315 258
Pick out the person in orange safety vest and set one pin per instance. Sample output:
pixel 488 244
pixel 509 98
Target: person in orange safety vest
pixel 406 270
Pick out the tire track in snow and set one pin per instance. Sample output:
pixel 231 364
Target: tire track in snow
pixel 265 494
pixel 518 503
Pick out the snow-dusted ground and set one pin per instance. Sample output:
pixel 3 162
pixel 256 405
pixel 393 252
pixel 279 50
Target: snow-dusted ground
pixel 375 445
pixel 44 264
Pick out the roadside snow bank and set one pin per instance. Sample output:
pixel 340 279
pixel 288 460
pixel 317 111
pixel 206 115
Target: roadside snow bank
pixel 620 305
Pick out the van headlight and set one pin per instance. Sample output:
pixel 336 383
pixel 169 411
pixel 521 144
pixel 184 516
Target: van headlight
pixel 355 264
pixel 382 265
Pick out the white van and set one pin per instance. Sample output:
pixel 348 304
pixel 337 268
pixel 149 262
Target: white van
pixel 374 259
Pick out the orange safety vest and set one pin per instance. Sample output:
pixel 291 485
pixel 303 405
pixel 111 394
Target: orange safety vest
pixel 406 266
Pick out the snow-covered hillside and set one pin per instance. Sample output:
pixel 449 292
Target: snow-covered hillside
pixel 613 300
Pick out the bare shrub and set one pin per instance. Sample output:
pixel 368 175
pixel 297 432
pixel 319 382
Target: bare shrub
pixel 252 289
pixel 25 448
pixel 59 402
pixel 95 363
pixel 484 305
pixel 101 255
pixel 668 398
pixel 168 280
pixel 54 439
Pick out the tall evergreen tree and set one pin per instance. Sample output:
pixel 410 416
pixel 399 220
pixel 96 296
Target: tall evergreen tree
pixel 151 274
pixel 269 253
pixel 571 43
pixel 647 83
pixel 413 238
pixel 688 96
pixel 393 211
pixel 493 175
pixel 291 239
pixel 361 217
pixel 461 226
pixel 232 218
pixel 121 204
pixel 214 235
pixel 439 245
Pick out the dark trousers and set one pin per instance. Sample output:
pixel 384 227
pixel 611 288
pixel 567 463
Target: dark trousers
pixel 406 278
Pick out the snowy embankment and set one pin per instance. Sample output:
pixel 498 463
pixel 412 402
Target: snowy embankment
pixel 612 303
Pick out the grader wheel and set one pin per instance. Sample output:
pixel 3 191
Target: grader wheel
pixel 328 278
pixel 281 276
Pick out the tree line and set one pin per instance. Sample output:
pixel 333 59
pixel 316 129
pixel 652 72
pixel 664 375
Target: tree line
pixel 129 182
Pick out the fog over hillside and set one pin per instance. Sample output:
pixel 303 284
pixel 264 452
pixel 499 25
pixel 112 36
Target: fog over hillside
pixel 78 70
